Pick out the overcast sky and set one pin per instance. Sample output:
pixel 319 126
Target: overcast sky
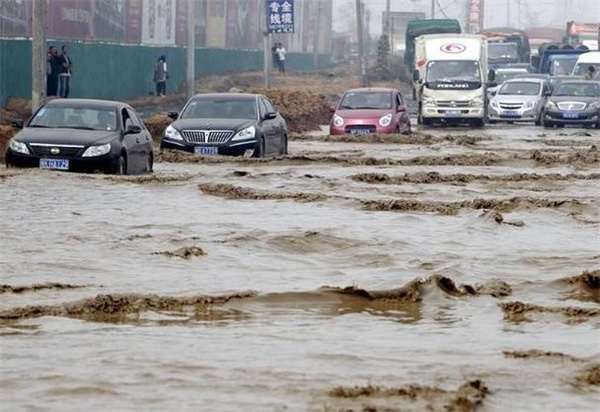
pixel 533 12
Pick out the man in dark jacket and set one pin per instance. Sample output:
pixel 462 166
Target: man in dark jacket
pixel 64 78
pixel 53 70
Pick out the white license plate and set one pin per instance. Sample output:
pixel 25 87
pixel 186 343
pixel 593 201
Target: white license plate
pixel 57 164
pixel 453 112
pixel 571 115
pixel 206 151
pixel 511 113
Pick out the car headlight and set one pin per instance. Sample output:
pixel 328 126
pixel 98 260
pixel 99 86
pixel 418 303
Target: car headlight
pixel 477 102
pixel 172 133
pixel 550 105
pixel 18 147
pixel 93 151
pixel 494 104
pixel 594 105
pixel 530 104
pixel 247 133
pixel 428 101
pixel 385 121
pixel 338 121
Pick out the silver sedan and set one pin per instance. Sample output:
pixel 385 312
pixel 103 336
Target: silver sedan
pixel 519 100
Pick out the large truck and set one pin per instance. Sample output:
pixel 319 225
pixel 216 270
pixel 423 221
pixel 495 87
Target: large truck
pixel 398 24
pixel 583 34
pixel 416 28
pixel 559 62
pixel 507 46
pixel 452 78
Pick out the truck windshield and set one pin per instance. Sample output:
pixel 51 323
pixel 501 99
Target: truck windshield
pixel 562 66
pixel 453 71
pixel 503 52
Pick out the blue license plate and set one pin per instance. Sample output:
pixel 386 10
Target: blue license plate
pixel 571 115
pixel 206 151
pixel 360 131
pixel 453 112
pixel 511 113
pixel 56 164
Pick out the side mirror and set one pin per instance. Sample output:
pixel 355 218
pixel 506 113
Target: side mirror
pixel 173 115
pixel 18 123
pixel 491 76
pixel 547 93
pixel 332 108
pixel 270 115
pixel 416 75
pixel 133 129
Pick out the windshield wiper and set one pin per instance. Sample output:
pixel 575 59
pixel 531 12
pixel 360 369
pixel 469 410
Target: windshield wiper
pixel 41 126
pixel 347 107
pixel 80 127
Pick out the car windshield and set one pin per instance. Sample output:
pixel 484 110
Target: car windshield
pixel 367 100
pixel 84 118
pixel 581 68
pixel 578 89
pixel 452 71
pixel 520 88
pixel 220 108
pixel 562 66
pixel 501 77
pixel 505 52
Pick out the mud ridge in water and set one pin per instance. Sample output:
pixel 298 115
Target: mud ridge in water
pixel 539 354
pixel 468 397
pixel 412 138
pixel 452 208
pixel 586 157
pixel 186 252
pixel 150 178
pixel 563 143
pixel 436 177
pixel 37 287
pixel 118 306
pixel 588 377
pixel 234 192
pixel 518 311
pixel 584 287
pixel 494 215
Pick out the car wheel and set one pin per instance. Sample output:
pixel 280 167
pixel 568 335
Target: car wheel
pixel 259 150
pixel 538 122
pixel 547 123
pixel 119 167
pixel 284 149
pixel 478 123
pixel 492 121
pixel 149 163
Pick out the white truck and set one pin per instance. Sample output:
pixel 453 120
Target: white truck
pixel 451 78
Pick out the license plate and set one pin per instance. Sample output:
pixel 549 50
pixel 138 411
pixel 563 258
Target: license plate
pixel 206 151
pixel 360 131
pixel 510 113
pixel 57 164
pixel 571 115
pixel 453 112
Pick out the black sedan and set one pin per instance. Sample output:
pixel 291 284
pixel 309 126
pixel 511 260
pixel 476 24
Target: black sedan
pixel 574 102
pixel 83 135
pixel 233 124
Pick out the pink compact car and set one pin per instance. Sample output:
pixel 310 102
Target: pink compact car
pixel 371 110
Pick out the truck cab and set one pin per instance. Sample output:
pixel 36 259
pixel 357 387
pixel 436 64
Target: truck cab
pixel 451 75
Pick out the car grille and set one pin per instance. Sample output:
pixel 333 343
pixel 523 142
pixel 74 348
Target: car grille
pixel 452 103
pixel 206 136
pixel 510 106
pixel 63 151
pixel 571 106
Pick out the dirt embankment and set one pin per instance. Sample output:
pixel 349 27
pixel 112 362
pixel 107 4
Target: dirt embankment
pixel 234 192
pixel 186 252
pixel 519 311
pixel 584 287
pixel 6 133
pixel 37 287
pixel 436 177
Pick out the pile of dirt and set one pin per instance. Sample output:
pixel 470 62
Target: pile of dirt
pixel 584 287
pixel 150 178
pixel 436 177
pixel 303 110
pixel 518 311
pixel 497 217
pixel 234 192
pixel 16 108
pixel 156 126
pixel 37 287
pixel 582 157
pixel 588 377
pixel 539 354
pixel 6 133
pixel 187 252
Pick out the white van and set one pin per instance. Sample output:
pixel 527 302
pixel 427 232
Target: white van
pixel 586 60
pixel 451 78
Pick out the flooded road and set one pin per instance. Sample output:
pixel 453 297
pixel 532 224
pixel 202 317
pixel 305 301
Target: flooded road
pixel 454 270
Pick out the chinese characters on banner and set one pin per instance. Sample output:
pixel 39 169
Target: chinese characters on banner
pixel 280 16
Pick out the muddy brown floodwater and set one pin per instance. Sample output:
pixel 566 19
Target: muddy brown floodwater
pixel 455 270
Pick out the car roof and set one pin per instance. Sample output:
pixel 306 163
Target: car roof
pixel 512 70
pixel 228 96
pixel 372 89
pixel 580 81
pixel 526 80
pixel 83 103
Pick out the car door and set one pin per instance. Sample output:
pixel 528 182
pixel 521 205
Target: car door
pixel 144 140
pixel 277 129
pixel 131 143
pixel 401 112
pixel 267 126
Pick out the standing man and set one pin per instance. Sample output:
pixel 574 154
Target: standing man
pixel 53 70
pixel 160 76
pixel 281 57
pixel 64 79
pixel 275 56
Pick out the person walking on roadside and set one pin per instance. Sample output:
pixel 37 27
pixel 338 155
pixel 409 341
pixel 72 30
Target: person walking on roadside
pixel 53 69
pixel 281 56
pixel 161 75
pixel 589 73
pixel 64 78
pixel 275 56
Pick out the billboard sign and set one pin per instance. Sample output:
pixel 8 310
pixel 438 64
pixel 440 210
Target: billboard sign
pixel 158 22
pixel 280 16
pixel 70 19
pixel 14 20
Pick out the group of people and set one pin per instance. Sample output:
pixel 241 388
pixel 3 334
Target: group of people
pixel 278 53
pixel 58 72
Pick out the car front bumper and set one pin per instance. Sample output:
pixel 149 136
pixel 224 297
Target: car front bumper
pixel 223 149
pixel 583 117
pixel 452 113
pixel 103 163
pixel 520 115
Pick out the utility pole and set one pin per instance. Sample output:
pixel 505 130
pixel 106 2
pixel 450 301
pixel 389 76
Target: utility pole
pixel 433 9
pixel 266 45
pixel 518 14
pixel 367 32
pixel 317 32
pixel 191 50
pixel 38 62
pixel 361 45
pixel 388 21
pixel 508 13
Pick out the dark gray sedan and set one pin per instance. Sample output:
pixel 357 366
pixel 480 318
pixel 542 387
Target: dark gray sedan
pixel 574 102
pixel 83 135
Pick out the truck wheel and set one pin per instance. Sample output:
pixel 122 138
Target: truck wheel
pixel 477 123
